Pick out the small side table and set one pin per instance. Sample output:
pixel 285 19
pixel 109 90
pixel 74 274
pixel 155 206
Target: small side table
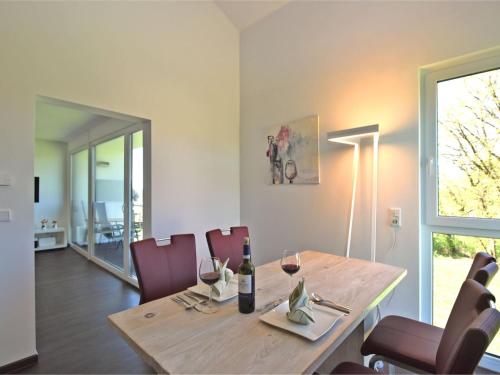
pixel 50 238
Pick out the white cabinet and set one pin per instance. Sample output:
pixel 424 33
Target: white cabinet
pixel 50 238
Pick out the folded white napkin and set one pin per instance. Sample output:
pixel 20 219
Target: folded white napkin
pixel 225 277
pixel 300 309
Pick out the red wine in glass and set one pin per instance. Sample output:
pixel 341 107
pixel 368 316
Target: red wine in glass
pixel 290 263
pixel 210 278
pixel 209 274
pixel 290 268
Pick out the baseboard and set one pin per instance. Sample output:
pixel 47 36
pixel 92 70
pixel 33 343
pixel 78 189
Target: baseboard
pixel 19 365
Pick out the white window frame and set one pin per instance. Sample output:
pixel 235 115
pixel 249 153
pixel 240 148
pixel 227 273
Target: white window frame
pixel 430 151
pixel 430 219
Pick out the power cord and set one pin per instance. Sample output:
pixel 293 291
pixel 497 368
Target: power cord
pixel 394 240
pixel 393 246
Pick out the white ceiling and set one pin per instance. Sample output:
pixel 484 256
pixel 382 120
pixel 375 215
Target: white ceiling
pixel 243 13
pixel 57 123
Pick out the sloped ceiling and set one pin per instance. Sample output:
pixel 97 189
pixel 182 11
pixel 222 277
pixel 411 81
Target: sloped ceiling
pixel 57 123
pixel 244 13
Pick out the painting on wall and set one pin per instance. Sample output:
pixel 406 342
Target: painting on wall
pixel 293 152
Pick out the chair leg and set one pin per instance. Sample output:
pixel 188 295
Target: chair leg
pixel 376 363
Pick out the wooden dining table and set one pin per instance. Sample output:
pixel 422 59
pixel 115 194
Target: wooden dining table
pixel 172 339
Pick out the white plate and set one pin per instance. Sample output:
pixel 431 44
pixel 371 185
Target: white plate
pixel 324 317
pixel 231 291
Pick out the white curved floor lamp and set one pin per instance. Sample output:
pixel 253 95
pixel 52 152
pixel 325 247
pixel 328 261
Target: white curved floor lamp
pixel 353 137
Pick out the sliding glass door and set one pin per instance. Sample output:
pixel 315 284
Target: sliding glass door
pixel 137 191
pixel 79 198
pixel 110 191
pixel 109 201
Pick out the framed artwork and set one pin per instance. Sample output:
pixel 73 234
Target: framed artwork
pixel 293 152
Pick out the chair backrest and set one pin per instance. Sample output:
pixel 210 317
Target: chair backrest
pixel 228 246
pixel 164 270
pixel 485 275
pixel 84 211
pixel 101 214
pixel 472 325
pixel 483 268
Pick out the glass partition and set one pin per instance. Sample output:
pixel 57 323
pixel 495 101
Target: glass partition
pixel 109 167
pixel 137 192
pixel 108 190
pixel 79 199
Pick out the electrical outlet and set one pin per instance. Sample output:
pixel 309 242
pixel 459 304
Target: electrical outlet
pixel 5 215
pixel 395 217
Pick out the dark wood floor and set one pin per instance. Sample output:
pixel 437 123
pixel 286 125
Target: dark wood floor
pixel 73 299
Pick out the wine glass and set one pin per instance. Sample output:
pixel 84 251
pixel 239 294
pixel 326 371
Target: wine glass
pixel 290 263
pixel 290 170
pixel 209 274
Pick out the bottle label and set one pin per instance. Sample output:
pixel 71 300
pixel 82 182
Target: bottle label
pixel 244 284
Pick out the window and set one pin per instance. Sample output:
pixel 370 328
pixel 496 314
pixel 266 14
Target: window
pixel 468 121
pixel 461 179
pixel 451 263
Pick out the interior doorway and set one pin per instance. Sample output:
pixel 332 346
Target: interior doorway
pixel 103 185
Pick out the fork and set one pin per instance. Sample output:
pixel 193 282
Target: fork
pixel 183 302
pixel 199 301
pixel 189 304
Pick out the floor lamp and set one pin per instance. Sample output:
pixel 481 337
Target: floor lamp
pixel 353 137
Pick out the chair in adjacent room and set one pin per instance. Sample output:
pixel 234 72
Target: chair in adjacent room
pixel 230 245
pixel 394 336
pixel 113 232
pixel 472 325
pixel 164 270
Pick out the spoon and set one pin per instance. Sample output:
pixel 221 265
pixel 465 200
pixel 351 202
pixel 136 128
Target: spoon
pixel 321 301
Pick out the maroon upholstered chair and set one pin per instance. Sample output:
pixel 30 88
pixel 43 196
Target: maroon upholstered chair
pixel 228 246
pixel 353 369
pixel 415 345
pixel 472 325
pixel 483 268
pixel 400 340
pixel 395 337
pixel 164 270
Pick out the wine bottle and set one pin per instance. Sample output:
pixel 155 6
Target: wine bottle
pixel 246 281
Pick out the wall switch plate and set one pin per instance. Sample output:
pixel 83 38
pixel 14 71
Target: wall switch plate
pixel 5 215
pixel 5 180
pixel 395 217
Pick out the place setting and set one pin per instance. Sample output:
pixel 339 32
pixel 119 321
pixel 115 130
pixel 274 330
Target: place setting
pixel 219 284
pixel 309 317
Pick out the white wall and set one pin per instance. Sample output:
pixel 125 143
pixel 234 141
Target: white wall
pixel 50 166
pixel 175 63
pixel 353 63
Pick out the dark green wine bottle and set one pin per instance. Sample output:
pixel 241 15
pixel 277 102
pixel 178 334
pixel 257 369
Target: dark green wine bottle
pixel 246 281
